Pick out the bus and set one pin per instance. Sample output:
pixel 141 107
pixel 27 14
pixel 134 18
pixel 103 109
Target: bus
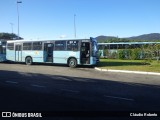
pixel 72 52
pixel 2 50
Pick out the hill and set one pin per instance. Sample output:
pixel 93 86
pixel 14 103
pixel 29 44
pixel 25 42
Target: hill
pixel 144 37
pixel 105 38
pixel 149 37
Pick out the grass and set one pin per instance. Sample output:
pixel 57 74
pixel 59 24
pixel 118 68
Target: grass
pixel 132 65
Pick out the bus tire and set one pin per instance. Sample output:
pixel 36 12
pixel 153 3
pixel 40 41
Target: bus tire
pixel 72 63
pixel 28 61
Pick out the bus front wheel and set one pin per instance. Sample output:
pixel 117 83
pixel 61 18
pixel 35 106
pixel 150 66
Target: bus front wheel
pixel 72 63
pixel 28 61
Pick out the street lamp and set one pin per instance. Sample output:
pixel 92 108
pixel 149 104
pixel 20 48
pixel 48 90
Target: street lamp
pixel 18 15
pixel 12 27
pixel 75 25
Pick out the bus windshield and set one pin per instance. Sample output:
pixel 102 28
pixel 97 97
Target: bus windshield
pixel 94 48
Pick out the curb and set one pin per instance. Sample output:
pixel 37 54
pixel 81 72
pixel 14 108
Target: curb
pixel 126 71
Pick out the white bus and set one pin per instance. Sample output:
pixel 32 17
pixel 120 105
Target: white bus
pixel 71 51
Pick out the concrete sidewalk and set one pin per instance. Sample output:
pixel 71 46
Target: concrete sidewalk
pixel 127 71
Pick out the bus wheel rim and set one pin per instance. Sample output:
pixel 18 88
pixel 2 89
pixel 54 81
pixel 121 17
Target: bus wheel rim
pixel 72 63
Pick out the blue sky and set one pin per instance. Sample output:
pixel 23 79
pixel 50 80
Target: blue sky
pixel 50 19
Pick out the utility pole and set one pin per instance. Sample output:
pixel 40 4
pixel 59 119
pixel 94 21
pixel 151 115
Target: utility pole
pixel 18 15
pixel 75 25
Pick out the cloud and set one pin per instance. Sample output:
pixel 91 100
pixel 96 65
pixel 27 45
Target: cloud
pixel 63 36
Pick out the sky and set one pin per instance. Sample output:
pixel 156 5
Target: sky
pixel 51 19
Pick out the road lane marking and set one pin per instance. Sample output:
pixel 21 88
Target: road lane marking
pixel 70 90
pixel 13 82
pixel 128 71
pixel 62 78
pixel 40 86
pixel 121 98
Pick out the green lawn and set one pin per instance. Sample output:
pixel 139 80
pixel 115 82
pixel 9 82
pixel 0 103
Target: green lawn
pixel 133 65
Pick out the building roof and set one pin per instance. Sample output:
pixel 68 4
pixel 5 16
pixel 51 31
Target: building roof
pixel 128 43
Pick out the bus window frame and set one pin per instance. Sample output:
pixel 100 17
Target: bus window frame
pixel 42 44
pixel 27 49
pixel 13 46
pixel 78 45
pixel 65 49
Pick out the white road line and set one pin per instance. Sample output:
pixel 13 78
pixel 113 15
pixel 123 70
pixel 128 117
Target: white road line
pixel 62 78
pixel 13 82
pixel 34 85
pixel 70 90
pixel 128 71
pixel 121 98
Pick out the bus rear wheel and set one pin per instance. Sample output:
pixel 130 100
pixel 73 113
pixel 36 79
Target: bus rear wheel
pixel 28 61
pixel 72 63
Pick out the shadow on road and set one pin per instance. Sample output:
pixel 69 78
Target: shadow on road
pixel 31 91
pixel 48 64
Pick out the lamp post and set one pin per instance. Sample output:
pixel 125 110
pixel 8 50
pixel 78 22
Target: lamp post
pixel 18 15
pixel 75 25
pixel 12 27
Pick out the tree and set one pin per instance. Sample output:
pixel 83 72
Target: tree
pixel 121 54
pixel 148 52
pixel 156 50
pixel 135 53
pixel 9 36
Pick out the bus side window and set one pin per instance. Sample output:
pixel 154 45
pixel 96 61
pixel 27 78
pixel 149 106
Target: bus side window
pixel 72 45
pixel 10 46
pixel 1 50
pixel 37 45
pixel 60 45
pixel 27 46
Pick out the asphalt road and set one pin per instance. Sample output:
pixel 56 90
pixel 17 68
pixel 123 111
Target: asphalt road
pixel 60 88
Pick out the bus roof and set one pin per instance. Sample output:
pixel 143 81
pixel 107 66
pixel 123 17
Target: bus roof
pixel 10 41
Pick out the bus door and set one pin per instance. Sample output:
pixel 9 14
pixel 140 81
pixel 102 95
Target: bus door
pixel 48 52
pixel 18 52
pixel 85 53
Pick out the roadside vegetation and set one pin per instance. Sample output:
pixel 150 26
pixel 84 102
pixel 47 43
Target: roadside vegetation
pixel 145 52
pixel 146 58
pixel 132 65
